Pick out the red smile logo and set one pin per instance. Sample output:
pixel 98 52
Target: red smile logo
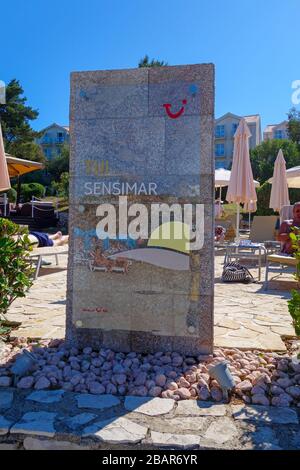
pixel 168 106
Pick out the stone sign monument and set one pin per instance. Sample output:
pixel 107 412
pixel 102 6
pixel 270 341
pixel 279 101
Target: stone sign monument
pixel 140 273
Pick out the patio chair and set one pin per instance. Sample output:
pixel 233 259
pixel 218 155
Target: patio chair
pixel 4 206
pixel 263 228
pixel 37 254
pixel 279 264
pixel 263 243
pixel 263 231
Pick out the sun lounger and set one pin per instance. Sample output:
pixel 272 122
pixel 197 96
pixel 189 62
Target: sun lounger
pixel 37 254
pixel 263 228
pixel 263 231
pixel 279 264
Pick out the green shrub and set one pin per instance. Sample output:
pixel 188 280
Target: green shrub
pixel 12 195
pixel 263 200
pixel 294 310
pixel 61 187
pixel 15 265
pixel 294 303
pixel 32 189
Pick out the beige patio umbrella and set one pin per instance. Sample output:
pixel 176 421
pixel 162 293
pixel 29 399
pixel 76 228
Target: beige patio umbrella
pixel 279 192
pixel 241 188
pixel 293 177
pixel 4 176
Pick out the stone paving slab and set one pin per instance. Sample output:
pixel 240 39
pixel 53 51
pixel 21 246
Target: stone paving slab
pixel 265 414
pixel 221 431
pixel 79 420
pixel 36 422
pixel 245 315
pixel 199 408
pixel 6 399
pixel 51 396
pixel 174 441
pixel 116 431
pixel 188 424
pixel 99 402
pixel 149 406
pixel 263 438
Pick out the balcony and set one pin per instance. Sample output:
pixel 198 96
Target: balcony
pixel 50 140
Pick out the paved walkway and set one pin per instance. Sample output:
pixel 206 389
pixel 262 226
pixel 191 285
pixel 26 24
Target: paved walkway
pixel 56 420
pixel 245 315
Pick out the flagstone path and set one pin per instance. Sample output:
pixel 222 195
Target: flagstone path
pixel 245 315
pixel 58 420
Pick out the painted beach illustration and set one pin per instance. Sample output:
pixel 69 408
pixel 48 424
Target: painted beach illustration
pixel 167 247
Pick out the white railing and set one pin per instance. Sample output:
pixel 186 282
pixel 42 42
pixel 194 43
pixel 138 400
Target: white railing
pixel 40 201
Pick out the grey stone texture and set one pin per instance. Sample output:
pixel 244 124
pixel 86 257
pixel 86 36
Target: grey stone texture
pixel 99 402
pixel 120 430
pixel 131 128
pixel 37 423
pixel 199 408
pixel 50 396
pixel 265 414
pixel 149 406
pixel 6 399
pixel 79 420
pixel 175 441
pixel 221 431
pixel 33 443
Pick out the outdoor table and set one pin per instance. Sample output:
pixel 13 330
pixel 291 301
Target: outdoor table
pixel 255 251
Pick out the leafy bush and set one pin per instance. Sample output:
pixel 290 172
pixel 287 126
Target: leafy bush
pixel 263 200
pixel 263 157
pixel 32 189
pixel 294 303
pixel 61 188
pixel 15 265
pixel 12 195
pixel 60 164
pixel 294 309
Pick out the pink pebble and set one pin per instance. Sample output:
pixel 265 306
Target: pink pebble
pixel 183 393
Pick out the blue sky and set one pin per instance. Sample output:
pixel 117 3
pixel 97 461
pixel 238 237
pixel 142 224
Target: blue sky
pixel 254 45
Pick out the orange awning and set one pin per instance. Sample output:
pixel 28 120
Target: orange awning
pixel 18 166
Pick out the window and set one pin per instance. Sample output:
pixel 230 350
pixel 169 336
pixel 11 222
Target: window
pixel 234 128
pixel 220 164
pixel 220 131
pixel 278 134
pixel 46 138
pixel 48 153
pixel 219 150
pixel 60 137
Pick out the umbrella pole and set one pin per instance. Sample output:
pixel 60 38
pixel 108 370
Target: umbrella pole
pixel 18 191
pixel 237 238
pixel 220 193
